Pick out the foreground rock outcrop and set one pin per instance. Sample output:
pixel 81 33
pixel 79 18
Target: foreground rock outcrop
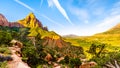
pixel 17 59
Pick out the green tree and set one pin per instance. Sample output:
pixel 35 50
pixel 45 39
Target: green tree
pixel 5 37
pixel 75 62
pixel 96 49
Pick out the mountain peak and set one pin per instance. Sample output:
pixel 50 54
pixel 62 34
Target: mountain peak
pixel 31 15
pixel 30 21
pixel 36 28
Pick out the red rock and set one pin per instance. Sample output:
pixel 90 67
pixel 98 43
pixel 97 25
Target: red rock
pixel 15 24
pixel 3 21
pixel 54 42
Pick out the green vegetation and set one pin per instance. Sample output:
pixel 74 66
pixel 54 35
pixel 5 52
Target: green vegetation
pixel 5 50
pixel 75 62
pixel 5 37
pixel 3 64
pixel 35 54
pixel 102 48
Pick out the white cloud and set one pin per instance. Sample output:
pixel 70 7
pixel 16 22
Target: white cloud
pixel 60 8
pixel 77 31
pixel 81 14
pixel 41 2
pixel 23 4
pixel 109 20
pixel 50 3
pixel 33 10
pixel 52 20
pixel 86 21
pixel 113 16
pixel 116 9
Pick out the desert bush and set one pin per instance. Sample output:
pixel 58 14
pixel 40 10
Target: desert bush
pixel 75 62
pixel 5 50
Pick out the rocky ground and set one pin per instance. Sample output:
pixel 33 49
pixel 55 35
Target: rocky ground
pixel 17 61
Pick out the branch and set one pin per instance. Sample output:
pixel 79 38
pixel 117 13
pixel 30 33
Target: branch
pixel 110 65
pixel 116 64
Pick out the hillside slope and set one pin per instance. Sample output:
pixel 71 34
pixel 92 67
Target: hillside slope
pixel 36 28
pixel 114 30
pixel 111 37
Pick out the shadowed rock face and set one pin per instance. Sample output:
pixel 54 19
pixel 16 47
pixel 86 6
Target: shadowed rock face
pixel 15 24
pixel 3 21
pixel 54 42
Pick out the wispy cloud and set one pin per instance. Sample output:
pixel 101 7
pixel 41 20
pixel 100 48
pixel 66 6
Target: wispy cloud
pixel 33 10
pixel 116 9
pixel 52 20
pixel 50 3
pixel 113 17
pixel 60 8
pixel 41 2
pixel 81 14
pixel 23 4
pixel 98 11
pixel 109 20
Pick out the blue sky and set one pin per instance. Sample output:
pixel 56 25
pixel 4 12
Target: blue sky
pixel 79 17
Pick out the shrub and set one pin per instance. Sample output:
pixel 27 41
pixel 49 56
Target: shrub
pixel 5 37
pixel 5 50
pixel 3 64
pixel 75 62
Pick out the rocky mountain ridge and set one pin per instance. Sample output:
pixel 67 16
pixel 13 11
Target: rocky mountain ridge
pixel 36 28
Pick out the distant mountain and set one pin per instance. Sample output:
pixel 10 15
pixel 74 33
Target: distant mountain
pixel 70 36
pixel 36 28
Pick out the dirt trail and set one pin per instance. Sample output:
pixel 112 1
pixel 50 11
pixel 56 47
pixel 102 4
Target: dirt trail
pixel 17 62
